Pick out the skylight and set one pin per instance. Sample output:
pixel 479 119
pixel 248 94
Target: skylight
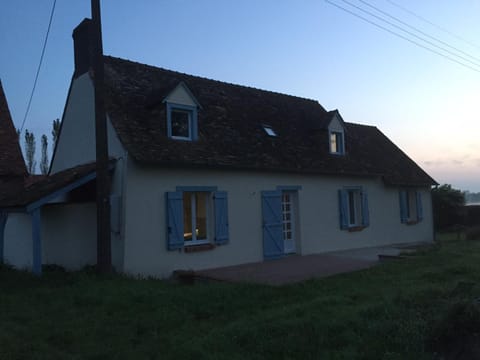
pixel 269 130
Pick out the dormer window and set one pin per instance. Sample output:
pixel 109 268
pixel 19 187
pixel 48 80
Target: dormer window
pixel 181 122
pixel 336 133
pixel 269 130
pixel 337 144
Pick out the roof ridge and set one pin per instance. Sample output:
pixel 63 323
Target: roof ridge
pixel 214 80
pixel 363 125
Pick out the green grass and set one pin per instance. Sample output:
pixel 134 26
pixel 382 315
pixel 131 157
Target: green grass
pixel 397 310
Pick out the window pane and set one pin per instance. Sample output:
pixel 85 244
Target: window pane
pixel 180 123
pixel 412 205
pixel 187 216
pixel 201 210
pixel 351 207
pixel 333 143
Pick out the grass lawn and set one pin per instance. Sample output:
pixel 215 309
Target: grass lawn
pixel 392 311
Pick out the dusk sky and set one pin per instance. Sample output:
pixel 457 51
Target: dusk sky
pixel 425 103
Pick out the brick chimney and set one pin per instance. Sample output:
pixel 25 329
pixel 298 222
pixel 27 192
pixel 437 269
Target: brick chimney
pixel 82 47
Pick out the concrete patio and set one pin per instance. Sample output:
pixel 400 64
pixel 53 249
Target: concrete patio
pixel 295 268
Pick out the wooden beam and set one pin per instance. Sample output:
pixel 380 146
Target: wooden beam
pixel 104 256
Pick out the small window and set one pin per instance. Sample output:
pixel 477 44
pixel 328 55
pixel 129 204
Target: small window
pixel 181 122
pixel 354 211
pixel 269 131
pixel 336 143
pixel 411 211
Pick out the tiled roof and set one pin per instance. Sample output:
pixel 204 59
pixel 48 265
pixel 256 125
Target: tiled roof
pixel 11 159
pixel 230 129
pixel 14 193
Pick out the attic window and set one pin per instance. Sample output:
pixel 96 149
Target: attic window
pixel 337 144
pixel 269 130
pixel 181 122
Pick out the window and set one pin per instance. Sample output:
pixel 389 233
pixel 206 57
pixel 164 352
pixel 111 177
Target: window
pixel 411 211
pixel 181 122
pixel 336 143
pixel 269 130
pixel 196 217
pixel 353 204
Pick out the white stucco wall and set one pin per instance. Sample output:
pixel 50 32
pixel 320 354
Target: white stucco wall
pixel 145 233
pixel 18 250
pixel 69 235
pixel 76 145
pixel 76 142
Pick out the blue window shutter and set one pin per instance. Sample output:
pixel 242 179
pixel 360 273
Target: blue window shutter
pixel 419 206
pixel 343 208
pixel 194 115
pixel 341 141
pixel 174 220
pixel 365 213
pixel 273 246
pixel 221 217
pixel 403 205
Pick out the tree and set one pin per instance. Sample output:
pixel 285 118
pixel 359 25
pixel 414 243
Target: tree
pixel 30 151
pixel 447 206
pixel 55 130
pixel 44 159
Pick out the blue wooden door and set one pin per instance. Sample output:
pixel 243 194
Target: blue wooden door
pixel 273 246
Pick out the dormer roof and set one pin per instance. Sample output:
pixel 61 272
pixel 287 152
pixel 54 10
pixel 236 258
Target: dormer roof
pixel 334 115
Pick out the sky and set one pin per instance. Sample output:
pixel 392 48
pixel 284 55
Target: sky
pixel 425 103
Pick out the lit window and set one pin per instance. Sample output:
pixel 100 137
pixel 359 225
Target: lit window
pixel 269 131
pixel 336 143
pixel 195 217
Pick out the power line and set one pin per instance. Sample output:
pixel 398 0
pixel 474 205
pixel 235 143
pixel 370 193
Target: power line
pixel 410 33
pixel 402 37
pixel 39 65
pixel 418 30
pixel 433 24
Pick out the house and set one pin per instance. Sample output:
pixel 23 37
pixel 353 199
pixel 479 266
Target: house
pixel 208 174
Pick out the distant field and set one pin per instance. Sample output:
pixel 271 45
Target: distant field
pixel 404 309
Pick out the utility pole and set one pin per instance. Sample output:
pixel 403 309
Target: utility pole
pixel 104 255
